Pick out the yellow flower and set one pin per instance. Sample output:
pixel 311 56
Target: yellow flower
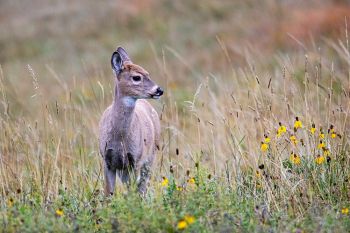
pixel 257 174
pixel 264 147
pixel 294 158
pixel 258 185
pixel 297 123
pixel 293 139
pixel 179 188
pixel 267 139
pixel 321 145
pixel 333 135
pixel 182 224
pixel 281 129
pixel 321 135
pixel 165 181
pixel 326 152
pixel 313 129
pixel 191 180
pixel 189 219
pixel 331 129
pixel 345 210
pixel 319 159
pixel 59 212
pixel 10 202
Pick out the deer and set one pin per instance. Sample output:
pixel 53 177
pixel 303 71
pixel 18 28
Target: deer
pixel 129 129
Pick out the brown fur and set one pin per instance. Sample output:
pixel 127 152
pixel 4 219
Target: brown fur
pixel 130 128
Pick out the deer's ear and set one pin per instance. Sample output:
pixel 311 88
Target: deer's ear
pixel 116 62
pixel 118 58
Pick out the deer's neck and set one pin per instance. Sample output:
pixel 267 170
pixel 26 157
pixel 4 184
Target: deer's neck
pixel 123 110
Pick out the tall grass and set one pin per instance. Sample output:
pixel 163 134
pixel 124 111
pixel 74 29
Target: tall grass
pixel 49 155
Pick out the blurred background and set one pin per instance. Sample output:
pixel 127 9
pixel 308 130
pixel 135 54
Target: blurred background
pixel 78 37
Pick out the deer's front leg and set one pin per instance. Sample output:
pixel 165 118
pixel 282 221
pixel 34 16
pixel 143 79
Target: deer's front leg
pixel 145 175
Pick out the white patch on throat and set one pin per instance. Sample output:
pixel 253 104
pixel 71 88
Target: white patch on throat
pixel 128 101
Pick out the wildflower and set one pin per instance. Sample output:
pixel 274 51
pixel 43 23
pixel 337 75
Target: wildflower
pixel 313 129
pixel 331 129
pixel 191 180
pixel 10 202
pixel 257 174
pixel 294 158
pixel 182 224
pixel 297 123
pixel 267 139
pixel 189 219
pixel 319 159
pixel 59 212
pixel 258 185
pixel 264 147
pixel 321 145
pixel 333 135
pixel 179 188
pixel 345 210
pixel 281 129
pixel 326 152
pixel 293 139
pixel 165 181
pixel 321 135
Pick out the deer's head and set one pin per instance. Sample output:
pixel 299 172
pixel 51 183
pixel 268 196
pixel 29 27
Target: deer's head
pixel 133 80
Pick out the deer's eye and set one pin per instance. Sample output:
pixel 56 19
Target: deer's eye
pixel 136 78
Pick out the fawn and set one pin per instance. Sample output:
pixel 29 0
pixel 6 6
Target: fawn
pixel 129 127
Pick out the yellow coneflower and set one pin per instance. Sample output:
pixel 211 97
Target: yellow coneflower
pixel 10 202
pixel 331 129
pixel 257 174
pixel 258 185
pixel 313 128
pixel 294 158
pixel 179 188
pixel 326 152
pixel 293 139
pixel 297 123
pixel 319 159
pixel 165 181
pixel 182 224
pixel 267 139
pixel 191 180
pixel 321 145
pixel 281 130
pixel 264 146
pixel 321 135
pixel 189 219
pixel 333 135
pixel 59 212
pixel 345 210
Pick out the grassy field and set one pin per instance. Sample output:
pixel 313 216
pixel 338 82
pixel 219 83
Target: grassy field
pixel 255 116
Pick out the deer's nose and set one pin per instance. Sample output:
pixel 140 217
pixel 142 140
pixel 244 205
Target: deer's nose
pixel 159 91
